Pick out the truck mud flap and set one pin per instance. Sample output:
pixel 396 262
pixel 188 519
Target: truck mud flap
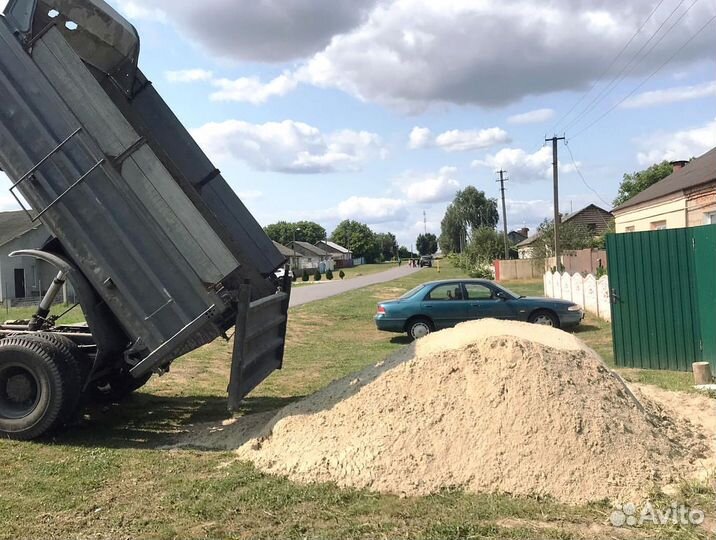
pixel 259 341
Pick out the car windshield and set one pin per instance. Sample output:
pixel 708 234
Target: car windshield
pixel 412 292
pixel 508 291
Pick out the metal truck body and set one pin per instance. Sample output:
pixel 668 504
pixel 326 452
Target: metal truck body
pixel 162 253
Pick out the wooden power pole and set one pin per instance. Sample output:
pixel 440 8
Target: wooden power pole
pixel 502 181
pixel 557 216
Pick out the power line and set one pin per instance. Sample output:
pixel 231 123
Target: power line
pixel 646 80
pixel 628 67
pixel 584 181
pixel 611 64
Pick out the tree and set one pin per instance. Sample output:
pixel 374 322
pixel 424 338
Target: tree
pixel 485 246
pixel 305 231
pixel 427 244
pixel 404 253
pixel 572 237
pixel 636 182
pixel 469 211
pixel 386 245
pixel 357 237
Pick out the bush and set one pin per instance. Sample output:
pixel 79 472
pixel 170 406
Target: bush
pixel 317 275
pixel 294 277
pixel 329 274
pixel 601 271
pixel 482 272
pixel 341 274
pixel 304 276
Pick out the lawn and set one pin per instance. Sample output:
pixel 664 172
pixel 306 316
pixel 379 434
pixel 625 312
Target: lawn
pixel 110 476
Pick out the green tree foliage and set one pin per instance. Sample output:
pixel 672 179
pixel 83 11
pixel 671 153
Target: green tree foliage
pixel 636 182
pixel 426 244
pixel 306 231
pixel 341 274
pixel 317 275
pixel 404 253
pixel 357 237
pixel 386 245
pixel 329 274
pixel 572 237
pixel 304 276
pixel 485 246
pixel 469 211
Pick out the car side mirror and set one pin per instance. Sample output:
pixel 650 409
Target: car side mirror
pixel 501 295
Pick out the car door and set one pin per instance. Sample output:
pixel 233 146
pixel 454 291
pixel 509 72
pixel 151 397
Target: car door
pixel 483 302
pixel 445 305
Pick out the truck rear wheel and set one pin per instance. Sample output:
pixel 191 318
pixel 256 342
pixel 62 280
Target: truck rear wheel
pixel 35 388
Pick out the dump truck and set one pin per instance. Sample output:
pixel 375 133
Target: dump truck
pixel 162 254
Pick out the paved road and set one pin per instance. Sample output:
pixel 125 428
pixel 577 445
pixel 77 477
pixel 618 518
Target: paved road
pixel 319 291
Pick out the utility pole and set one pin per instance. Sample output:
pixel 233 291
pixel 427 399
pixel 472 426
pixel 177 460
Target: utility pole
pixel 557 216
pixel 502 181
pixel 425 222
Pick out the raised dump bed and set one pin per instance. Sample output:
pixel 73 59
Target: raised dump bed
pixel 162 253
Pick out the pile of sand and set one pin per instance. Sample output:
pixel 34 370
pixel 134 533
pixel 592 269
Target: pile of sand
pixel 488 406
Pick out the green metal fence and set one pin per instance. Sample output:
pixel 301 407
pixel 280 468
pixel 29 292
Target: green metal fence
pixel 663 294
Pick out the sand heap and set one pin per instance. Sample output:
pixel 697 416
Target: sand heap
pixel 486 407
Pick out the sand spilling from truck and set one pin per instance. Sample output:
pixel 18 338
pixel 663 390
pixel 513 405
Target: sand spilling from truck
pixel 486 407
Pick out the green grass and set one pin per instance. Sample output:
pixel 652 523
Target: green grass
pixel 24 313
pixel 110 478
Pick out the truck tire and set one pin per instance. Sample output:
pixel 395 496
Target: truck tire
pixel 75 354
pixel 71 371
pixel 34 388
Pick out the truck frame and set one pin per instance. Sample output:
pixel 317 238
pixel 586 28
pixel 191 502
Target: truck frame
pixel 162 254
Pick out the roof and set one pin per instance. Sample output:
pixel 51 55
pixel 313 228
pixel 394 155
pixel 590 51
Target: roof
pixel 565 218
pixel 310 248
pixel 286 252
pixel 14 224
pixel 335 246
pixel 698 171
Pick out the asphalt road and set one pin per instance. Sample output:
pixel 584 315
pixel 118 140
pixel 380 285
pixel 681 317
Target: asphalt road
pixel 319 291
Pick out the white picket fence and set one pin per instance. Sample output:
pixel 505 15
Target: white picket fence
pixel 589 292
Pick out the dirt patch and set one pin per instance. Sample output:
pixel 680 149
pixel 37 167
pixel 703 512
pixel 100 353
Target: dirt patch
pixel 486 407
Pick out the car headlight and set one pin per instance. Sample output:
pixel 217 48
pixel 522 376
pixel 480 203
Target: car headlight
pixel 575 307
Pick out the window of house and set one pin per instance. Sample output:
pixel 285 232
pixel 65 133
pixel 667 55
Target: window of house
pixel 630 228
pixel 710 218
pixel 658 225
pixel 592 228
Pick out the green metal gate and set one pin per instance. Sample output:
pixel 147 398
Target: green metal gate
pixel 663 296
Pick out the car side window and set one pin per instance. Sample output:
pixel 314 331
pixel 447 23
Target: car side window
pixel 447 292
pixel 475 291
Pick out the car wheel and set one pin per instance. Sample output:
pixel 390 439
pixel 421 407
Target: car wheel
pixel 419 328
pixel 544 318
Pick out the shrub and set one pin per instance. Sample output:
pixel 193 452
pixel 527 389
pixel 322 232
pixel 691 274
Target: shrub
pixel 341 274
pixel 317 275
pixel 304 276
pixel 329 274
pixel 601 271
pixel 482 272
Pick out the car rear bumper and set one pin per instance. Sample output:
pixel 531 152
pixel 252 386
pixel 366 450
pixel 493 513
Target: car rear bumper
pixel 389 325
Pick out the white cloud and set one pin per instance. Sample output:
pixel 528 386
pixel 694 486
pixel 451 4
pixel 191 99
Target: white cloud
pixel 419 138
pixel 252 90
pixel 671 95
pixel 288 146
pixel 413 53
pixel 137 11
pixel 440 187
pixel 673 146
pixel 457 140
pixel 521 166
pixel 372 210
pixel 532 117
pixel 188 75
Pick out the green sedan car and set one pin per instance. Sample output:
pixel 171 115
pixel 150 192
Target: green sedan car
pixel 442 304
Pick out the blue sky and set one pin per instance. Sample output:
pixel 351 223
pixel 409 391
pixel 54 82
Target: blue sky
pixel 380 110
